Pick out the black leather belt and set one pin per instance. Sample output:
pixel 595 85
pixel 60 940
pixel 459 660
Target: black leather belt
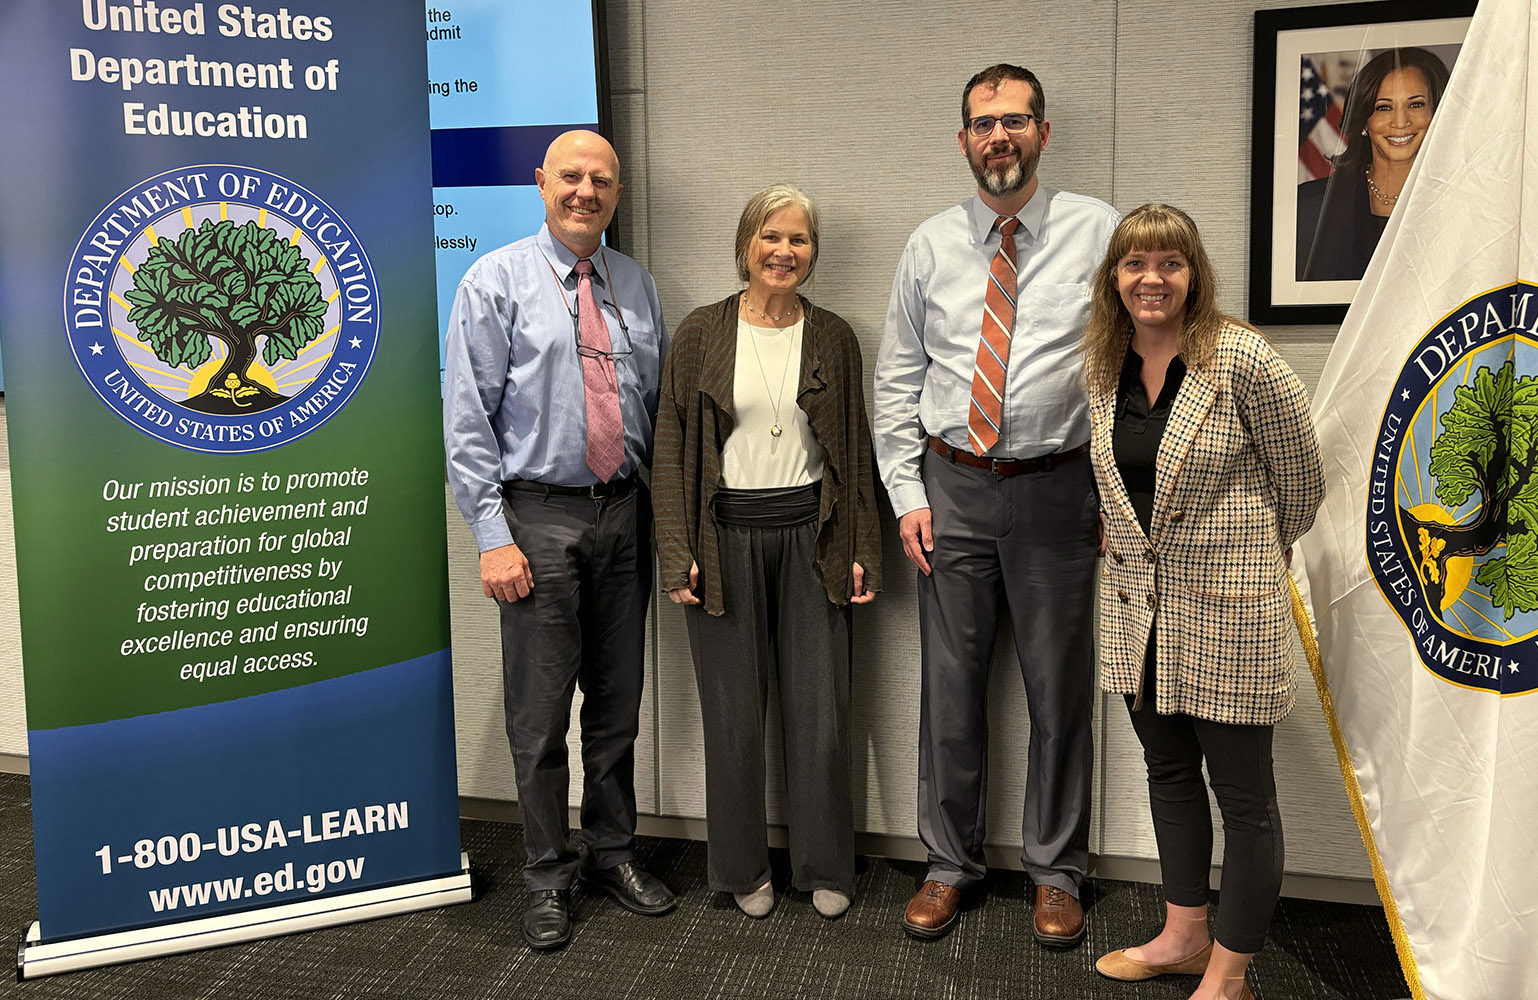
pixel 1005 466
pixel 597 491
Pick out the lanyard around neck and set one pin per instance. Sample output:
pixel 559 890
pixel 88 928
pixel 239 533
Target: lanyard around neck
pixel 608 280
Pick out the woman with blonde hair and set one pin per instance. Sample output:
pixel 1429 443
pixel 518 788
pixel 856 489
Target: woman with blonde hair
pixel 1208 470
pixel 767 531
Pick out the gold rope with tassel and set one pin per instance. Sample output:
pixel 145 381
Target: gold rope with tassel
pixel 1354 792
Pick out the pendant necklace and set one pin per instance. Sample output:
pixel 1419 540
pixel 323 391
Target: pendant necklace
pixel 775 430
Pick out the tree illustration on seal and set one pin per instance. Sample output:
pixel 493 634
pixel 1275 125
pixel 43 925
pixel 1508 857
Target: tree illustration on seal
pixel 232 283
pixel 1488 446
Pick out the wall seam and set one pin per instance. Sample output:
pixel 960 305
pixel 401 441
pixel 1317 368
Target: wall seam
pixel 656 597
pixel 1105 702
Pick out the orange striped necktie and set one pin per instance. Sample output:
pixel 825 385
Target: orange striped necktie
pixel 985 415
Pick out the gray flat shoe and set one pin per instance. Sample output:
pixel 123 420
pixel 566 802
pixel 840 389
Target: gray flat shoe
pixel 829 902
pixel 758 903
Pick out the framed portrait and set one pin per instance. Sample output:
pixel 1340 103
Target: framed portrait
pixel 1344 95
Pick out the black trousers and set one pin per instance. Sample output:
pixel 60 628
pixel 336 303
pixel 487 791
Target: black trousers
pixel 584 624
pixel 778 626
pixel 1239 764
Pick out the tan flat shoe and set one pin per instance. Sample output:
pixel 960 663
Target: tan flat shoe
pixel 1118 966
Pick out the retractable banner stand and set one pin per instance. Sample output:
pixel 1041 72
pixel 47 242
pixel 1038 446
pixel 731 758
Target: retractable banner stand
pixel 217 299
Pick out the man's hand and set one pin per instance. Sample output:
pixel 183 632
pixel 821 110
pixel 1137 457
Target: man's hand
pixel 918 539
pixel 861 595
pixel 505 573
pixel 685 595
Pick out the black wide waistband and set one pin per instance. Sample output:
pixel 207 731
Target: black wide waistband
pixel 782 507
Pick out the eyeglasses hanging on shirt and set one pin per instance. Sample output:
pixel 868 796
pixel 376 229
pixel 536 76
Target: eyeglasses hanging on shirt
pixel 587 350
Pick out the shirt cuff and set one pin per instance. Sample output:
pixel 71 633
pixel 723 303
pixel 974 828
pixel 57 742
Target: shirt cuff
pixel 908 497
pixel 492 533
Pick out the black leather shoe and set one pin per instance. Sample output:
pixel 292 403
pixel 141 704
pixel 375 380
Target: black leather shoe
pixel 547 921
pixel 632 888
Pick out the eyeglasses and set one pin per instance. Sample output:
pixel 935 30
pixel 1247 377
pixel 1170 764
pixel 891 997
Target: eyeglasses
pixel 982 125
pixel 589 351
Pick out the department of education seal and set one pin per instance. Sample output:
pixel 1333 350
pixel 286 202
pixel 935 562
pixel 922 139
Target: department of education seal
pixel 221 308
pixel 1452 501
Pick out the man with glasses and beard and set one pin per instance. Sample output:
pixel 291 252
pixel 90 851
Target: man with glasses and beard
pixel 553 364
pixel 981 429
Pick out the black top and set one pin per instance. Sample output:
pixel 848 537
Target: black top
pixel 1337 231
pixel 1139 429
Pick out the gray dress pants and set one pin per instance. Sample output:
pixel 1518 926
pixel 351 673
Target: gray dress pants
pixel 583 624
pixel 1024 545
pixel 778 623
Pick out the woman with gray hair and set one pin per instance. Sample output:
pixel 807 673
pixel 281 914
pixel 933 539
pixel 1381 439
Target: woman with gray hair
pixel 767 532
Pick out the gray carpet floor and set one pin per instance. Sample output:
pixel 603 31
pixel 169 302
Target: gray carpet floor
pixel 705 949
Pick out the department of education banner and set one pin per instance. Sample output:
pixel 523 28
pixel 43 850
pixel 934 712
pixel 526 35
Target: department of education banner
pixel 1424 560
pixel 217 298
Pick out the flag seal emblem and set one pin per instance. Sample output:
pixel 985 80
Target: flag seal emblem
pixel 221 308
pixel 1452 500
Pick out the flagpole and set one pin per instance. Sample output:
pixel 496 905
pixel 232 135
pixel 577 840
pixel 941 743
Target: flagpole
pixel 1354 792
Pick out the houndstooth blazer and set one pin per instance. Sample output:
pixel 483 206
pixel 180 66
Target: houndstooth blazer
pixel 1239 478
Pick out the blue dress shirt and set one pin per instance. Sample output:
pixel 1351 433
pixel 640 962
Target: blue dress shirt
pixel 513 402
pixel 923 375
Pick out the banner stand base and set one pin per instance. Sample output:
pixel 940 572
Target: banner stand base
pixel 34 959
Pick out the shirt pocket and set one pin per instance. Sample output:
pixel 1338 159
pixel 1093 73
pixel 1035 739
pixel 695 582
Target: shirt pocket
pixel 1053 313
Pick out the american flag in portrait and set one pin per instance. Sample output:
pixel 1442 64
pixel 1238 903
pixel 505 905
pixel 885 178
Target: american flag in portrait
pixel 1319 115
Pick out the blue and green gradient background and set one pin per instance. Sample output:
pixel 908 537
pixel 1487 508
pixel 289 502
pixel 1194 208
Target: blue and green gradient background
pixel 374 716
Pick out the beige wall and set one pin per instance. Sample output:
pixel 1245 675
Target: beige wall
pixel 857 101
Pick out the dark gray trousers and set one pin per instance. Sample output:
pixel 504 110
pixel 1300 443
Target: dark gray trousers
pixel 777 622
pixel 1026 545
pixel 1243 781
pixel 583 624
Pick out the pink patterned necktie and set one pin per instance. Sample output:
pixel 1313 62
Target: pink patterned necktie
pixel 605 425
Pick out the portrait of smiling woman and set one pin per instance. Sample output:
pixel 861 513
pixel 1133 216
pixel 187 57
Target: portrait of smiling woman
pixel 1387 112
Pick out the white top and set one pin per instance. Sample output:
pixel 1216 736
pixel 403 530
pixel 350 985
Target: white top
pixel 768 368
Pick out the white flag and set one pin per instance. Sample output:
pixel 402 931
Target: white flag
pixel 1424 559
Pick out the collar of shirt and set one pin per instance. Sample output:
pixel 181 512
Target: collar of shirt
pixel 1132 381
pixel 1031 215
pixel 564 261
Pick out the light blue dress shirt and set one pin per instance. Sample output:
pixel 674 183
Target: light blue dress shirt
pixel 923 375
pixel 513 402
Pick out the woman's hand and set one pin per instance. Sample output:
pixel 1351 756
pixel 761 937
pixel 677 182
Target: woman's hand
pixel 861 595
pixel 1101 552
pixel 685 595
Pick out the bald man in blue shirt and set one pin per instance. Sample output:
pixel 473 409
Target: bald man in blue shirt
pixel 554 358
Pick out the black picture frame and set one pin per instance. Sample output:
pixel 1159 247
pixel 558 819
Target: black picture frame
pixel 1278 291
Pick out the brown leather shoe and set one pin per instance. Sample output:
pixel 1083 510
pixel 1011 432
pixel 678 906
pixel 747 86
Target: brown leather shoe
pixel 931 913
pixel 1118 965
pixel 1059 918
